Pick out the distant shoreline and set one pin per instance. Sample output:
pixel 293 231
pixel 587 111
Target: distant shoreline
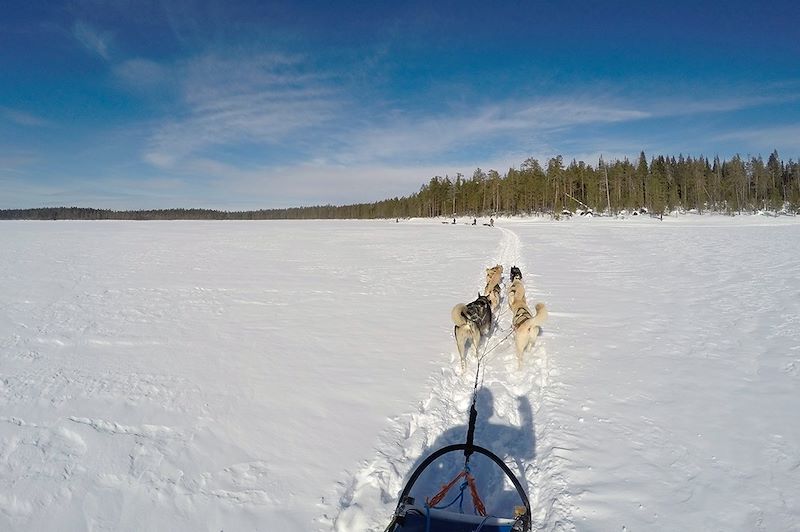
pixel 89 214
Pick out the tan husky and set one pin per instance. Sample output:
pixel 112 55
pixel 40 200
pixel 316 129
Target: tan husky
pixel 516 293
pixel 526 325
pixel 493 293
pixel 493 276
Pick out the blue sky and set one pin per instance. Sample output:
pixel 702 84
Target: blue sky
pixel 246 105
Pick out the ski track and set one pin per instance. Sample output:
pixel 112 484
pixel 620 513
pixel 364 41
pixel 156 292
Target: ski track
pixel 367 500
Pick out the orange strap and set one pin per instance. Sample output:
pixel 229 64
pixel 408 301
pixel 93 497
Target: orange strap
pixel 445 488
pixel 476 499
pixel 473 490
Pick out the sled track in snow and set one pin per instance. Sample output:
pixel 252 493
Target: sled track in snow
pixel 367 500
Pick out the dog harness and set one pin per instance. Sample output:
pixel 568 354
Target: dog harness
pixel 521 316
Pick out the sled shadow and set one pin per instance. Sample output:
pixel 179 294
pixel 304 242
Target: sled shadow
pixel 516 446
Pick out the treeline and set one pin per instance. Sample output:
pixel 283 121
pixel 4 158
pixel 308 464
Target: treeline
pixel 366 210
pixel 660 185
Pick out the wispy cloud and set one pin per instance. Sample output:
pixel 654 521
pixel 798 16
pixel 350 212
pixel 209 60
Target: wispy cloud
pixel 16 163
pixel 784 138
pixel 275 103
pixel 93 40
pixel 106 193
pixel 505 123
pixel 536 124
pixel 310 183
pixel 267 103
pixel 142 74
pixel 23 118
pixel 264 99
pixel 678 106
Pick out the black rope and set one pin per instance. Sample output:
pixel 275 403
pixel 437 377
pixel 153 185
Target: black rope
pixel 473 416
pixel 495 346
pixel 473 412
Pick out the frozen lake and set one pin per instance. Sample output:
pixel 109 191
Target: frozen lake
pixel 287 375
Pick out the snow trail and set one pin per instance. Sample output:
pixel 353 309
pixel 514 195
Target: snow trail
pixel 508 403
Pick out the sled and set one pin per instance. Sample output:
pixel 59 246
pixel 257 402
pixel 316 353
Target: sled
pixel 427 517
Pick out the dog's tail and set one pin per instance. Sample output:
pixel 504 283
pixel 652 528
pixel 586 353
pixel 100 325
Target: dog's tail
pixel 458 315
pixel 541 314
pixel 532 326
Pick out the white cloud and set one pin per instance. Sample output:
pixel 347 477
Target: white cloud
pixel 534 124
pixel 23 118
pixel 107 193
pixel 142 74
pixel 346 150
pixel 505 123
pixel 720 104
pixel 312 183
pixel 256 100
pixel 92 39
pixel 277 99
pixel 15 162
pixel 784 138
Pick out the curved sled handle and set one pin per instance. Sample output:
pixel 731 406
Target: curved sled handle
pixel 480 450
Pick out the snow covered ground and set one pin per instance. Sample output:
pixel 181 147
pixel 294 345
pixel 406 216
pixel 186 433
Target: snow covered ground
pixel 288 375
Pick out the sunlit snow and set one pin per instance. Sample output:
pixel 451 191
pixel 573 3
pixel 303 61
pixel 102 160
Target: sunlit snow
pixel 288 375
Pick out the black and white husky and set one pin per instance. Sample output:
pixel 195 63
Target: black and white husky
pixel 516 290
pixel 472 321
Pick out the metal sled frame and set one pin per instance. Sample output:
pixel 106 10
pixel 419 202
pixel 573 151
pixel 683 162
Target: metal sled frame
pixel 410 518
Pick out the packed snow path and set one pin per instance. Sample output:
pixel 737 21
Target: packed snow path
pixel 508 403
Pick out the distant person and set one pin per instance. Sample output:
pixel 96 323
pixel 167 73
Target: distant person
pixel 491 222
pixel 474 221
pixel 397 220
pixel 454 221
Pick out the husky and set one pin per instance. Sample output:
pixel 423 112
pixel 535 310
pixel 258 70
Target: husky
pixel 516 290
pixel 493 276
pixel 471 321
pixel 526 325
pixel 516 293
pixel 493 293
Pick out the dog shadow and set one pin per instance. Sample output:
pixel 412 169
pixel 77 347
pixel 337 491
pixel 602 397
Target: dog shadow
pixel 516 446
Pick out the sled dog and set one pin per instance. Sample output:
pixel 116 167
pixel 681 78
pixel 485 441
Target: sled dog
pixel 516 273
pixel 493 276
pixel 471 321
pixel 526 325
pixel 493 293
pixel 516 293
